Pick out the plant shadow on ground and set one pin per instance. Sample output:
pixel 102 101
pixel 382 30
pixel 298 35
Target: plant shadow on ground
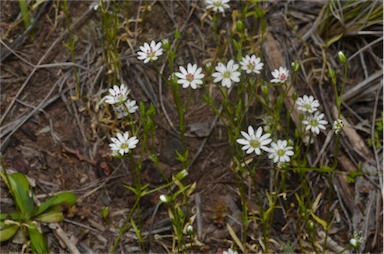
pixel 63 144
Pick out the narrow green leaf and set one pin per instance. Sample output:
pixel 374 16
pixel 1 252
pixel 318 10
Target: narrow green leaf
pixel 24 11
pixel 137 230
pixel 8 231
pixel 235 238
pixel 131 188
pixel 65 198
pixel 38 242
pixel 320 221
pixel 333 40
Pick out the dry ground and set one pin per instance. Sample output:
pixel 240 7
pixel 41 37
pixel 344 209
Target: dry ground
pixel 63 144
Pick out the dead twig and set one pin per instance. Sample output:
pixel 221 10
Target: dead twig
pixel 62 236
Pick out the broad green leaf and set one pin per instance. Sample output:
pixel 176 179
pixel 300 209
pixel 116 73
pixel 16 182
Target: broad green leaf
pixel 8 231
pixel 65 198
pixel 50 217
pixel 22 193
pixel 38 242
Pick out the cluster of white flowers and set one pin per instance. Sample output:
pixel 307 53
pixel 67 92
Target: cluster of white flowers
pixel 228 74
pixel 313 119
pixel 118 98
pixel 256 141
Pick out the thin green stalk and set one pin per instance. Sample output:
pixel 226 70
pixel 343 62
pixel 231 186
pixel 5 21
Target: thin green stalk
pixel 125 227
pixel 71 47
pixel 25 13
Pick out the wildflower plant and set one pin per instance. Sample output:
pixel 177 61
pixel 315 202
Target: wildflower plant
pixel 234 82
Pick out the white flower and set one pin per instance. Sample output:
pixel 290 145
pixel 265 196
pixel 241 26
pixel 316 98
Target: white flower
pixel 123 143
pixel 280 75
pixel 315 122
pixel 128 107
pixel 165 199
pixel 280 151
pixel 251 64
pixel 117 94
pixel 217 5
pixel 226 74
pixel 230 251
pixel 150 52
pixel 190 77
pixel 338 125
pixel 254 141
pixel 307 104
pixel 189 230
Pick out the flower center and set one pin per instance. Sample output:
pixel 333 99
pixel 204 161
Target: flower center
pixel 124 146
pixel 227 74
pixel 280 152
pixel 282 76
pixel 150 53
pixel 251 65
pixel 189 77
pixel 314 122
pixel 307 106
pixel 119 96
pixel 254 143
pixel 217 3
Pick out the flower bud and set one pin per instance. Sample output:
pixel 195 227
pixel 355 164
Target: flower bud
pixel 239 25
pixel 177 34
pixel 295 96
pixel 295 66
pixel 208 67
pixel 165 199
pixel 189 230
pixel 166 44
pixel 264 90
pixel 182 174
pixel 311 226
pixel 342 57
